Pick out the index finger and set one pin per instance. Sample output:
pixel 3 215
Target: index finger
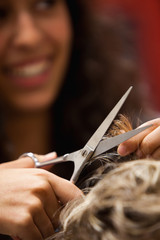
pixel 132 144
pixel 63 189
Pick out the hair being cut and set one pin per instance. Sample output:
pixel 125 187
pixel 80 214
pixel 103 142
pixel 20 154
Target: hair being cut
pixel 122 200
pixel 124 205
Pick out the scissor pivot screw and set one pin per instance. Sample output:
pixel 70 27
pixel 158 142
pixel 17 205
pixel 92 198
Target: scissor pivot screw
pixel 84 153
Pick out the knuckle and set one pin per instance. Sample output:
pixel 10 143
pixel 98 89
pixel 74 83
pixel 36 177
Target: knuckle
pixel 146 146
pixel 24 220
pixel 42 187
pixel 156 122
pixel 35 207
pixel 40 173
pixel 36 203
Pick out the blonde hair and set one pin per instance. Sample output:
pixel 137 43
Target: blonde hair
pixel 124 205
pixel 123 202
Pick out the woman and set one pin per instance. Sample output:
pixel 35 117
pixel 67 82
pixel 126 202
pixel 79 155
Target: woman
pixel 57 80
pixel 56 85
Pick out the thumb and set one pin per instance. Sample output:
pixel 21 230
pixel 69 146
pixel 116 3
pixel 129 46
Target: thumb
pixel 64 189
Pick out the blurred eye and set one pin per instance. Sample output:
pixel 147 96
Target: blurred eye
pixel 45 4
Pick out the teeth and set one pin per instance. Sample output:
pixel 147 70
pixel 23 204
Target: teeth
pixel 30 70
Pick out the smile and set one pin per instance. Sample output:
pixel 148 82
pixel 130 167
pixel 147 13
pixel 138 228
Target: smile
pixel 30 70
pixel 31 74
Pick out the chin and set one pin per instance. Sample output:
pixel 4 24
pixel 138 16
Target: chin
pixel 35 107
pixel 33 104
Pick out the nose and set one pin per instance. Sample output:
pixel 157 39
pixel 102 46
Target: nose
pixel 27 33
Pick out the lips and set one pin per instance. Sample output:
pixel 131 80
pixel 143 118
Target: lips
pixel 29 74
pixel 30 70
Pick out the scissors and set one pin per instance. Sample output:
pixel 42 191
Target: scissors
pixel 95 145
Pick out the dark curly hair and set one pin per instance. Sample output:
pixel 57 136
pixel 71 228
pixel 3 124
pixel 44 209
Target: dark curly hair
pixel 103 66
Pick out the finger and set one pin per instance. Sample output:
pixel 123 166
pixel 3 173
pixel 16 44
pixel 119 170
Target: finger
pixel 64 190
pixel 132 144
pixel 22 226
pixel 51 204
pixel 46 157
pixel 150 143
pixel 45 198
pixel 28 235
pixel 156 154
pixel 27 162
pixel 30 232
pixel 44 224
pixel 38 216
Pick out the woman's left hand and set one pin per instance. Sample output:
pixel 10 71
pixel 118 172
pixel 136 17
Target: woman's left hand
pixel 145 144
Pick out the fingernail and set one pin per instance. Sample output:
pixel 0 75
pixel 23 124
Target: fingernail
pixel 50 156
pixel 122 150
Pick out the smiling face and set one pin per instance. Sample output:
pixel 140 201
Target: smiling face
pixel 35 47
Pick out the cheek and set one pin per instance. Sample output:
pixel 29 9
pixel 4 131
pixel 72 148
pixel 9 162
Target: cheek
pixel 60 36
pixel 61 32
pixel 32 101
pixel 58 29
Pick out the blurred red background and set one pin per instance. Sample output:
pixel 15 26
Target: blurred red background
pixel 146 15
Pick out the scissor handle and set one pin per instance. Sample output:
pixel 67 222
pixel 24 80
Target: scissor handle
pixel 52 161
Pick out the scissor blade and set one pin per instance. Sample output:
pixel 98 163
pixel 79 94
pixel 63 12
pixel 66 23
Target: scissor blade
pixel 97 136
pixel 112 142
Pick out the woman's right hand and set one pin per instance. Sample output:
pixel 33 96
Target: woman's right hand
pixel 28 200
pixel 27 162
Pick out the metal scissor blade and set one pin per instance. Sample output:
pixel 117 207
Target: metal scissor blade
pixel 97 136
pixel 81 156
pixel 112 142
